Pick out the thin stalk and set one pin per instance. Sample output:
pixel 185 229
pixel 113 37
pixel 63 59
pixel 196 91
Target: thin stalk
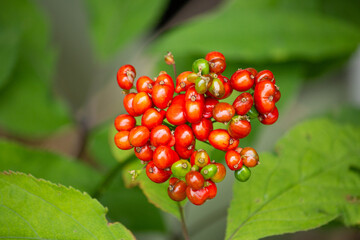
pixel 172 127
pixel 183 224
pixel 174 68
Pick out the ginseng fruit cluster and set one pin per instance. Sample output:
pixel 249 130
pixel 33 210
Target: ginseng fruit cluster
pixel 170 124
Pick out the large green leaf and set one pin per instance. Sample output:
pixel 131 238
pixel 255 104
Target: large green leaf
pixel 310 181
pixel 27 107
pixel 125 204
pixel 155 193
pixel 114 23
pixel 47 165
pixel 37 209
pixel 256 31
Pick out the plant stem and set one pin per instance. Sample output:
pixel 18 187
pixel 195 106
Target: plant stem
pixel 109 177
pixel 172 127
pixel 183 224
pixel 174 67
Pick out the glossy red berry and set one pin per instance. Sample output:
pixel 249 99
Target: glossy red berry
pixel 264 96
pixel 211 188
pixel 185 152
pixel 233 160
pixel 162 95
pixel 220 139
pixel 239 127
pixel 223 112
pixel 128 104
pixel 194 180
pixel 209 106
pixel 277 94
pixel 152 118
pixel 197 197
pixel 139 136
pixel 242 80
pixel 249 157
pixel 177 190
pixel 182 83
pixel 184 135
pixel 156 174
pixel 217 65
pixel 122 140
pixel 269 118
pixel 202 129
pixel 264 75
pixel 243 103
pixel 233 144
pixel 160 135
pixel 144 84
pixel 252 71
pixel 212 55
pixel 164 157
pixel 194 111
pixel 124 122
pixel 164 79
pixel 125 76
pixel 141 103
pixel 175 114
pixel 144 153
pixel 227 86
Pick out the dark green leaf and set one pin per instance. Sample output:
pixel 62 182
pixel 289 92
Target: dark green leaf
pixel 37 209
pixel 310 181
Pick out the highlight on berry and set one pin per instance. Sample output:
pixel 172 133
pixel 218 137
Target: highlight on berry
pixel 175 115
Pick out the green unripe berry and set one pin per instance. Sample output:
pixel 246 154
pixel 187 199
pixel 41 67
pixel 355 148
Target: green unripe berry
pixel 208 171
pixel 243 174
pixel 180 168
pixel 201 65
pixel 200 85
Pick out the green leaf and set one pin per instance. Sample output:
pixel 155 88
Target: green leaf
pixel 115 23
pixel 125 204
pixel 37 209
pixel 155 193
pixel 313 179
pixel 262 34
pixel 47 165
pixel 27 107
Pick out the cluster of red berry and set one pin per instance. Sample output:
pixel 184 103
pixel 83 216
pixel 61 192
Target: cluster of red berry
pixel 168 147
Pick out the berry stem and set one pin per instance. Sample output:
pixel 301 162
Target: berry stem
pixel 172 127
pixel 109 177
pixel 174 68
pixel 183 224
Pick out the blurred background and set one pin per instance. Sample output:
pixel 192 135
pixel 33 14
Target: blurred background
pixel 58 89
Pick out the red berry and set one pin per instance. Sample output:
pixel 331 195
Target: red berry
pixel 243 103
pixel 242 80
pixel 223 112
pixel 209 106
pixel 144 84
pixel 220 139
pixel 127 69
pixel 277 95
pixel 217 65
pixel 128 104
pixel 156 174
pixel 269 118
pixel 165 80
pixel 233 144
pixel 211 188
pixel 194 180
pixel 264 96
pixel 192 95
pixel 184 135
pixel 264 75
pixel 252 71
pixel 227 86
pixel 197 197
pixel 233 160
pixel 194 110
pixel 182 84
pixel 213 55
pixel 185 152
pixel 141 103
pixel 160 135
pixel 175 114
pixel 249 157
pixel 122 140
pixel 124 122
pixel 162 95
pixel 202 129
pixel 139 136
pixel 239 127
pixel 144 153
pixel 125 76
pixel 177 190
pixel 152 118
pixel 164 157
